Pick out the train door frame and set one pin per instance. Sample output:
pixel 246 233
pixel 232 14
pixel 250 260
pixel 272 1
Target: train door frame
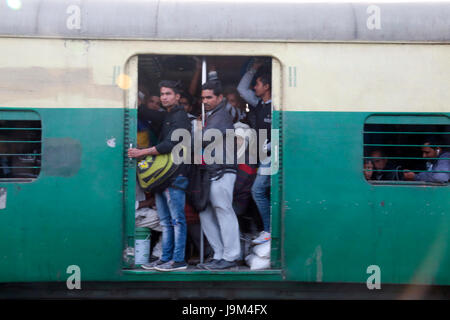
pixel 129 165
pixel 130 127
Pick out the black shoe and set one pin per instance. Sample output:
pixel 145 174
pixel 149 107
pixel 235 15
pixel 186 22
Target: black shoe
pixel 203 265
pixel 222 265
pixel 240 262
pixel 152 265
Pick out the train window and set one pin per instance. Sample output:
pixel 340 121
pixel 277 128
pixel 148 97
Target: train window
pixel 20 146
pixel 229 70
pixel 407 149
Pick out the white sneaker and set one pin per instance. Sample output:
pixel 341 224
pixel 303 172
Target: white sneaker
pixel 262 238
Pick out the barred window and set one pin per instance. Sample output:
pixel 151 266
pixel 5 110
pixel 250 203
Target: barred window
pixel 20 146
pixel 407 149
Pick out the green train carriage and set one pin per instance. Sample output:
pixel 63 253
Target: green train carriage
pixel 70 73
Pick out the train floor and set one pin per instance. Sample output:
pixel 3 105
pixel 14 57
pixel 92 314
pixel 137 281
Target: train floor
pixel 193 268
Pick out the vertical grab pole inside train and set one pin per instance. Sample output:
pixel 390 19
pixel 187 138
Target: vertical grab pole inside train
pixel 203 81
pixel 203 124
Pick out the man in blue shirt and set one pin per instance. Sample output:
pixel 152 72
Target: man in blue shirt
pixel 436 166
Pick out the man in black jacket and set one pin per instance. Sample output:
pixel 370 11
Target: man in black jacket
pixel 169 203
pixel 384 169
pixel 218 220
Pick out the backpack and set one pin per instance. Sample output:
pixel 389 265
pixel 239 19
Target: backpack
pixel 155 172
pixel 197 193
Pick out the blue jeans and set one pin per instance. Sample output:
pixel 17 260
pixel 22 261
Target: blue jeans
pixel 170 206
pixel 261 195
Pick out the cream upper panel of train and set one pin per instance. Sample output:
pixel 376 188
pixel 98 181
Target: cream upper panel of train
pixel 339 56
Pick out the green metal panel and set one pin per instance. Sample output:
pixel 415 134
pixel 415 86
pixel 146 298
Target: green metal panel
pixel 76 219
pixel 337 224
pixel 329 224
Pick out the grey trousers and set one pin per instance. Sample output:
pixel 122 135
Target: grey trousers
pixel 219 222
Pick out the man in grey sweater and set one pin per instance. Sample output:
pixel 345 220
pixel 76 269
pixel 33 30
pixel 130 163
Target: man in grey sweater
pixel 218 220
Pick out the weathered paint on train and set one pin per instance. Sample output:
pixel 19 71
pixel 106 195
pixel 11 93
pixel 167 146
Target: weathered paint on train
pixel 329 223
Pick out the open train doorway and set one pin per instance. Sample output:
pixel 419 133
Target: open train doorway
pixel 235 225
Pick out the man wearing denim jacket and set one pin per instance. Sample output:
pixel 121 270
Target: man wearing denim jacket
pixel 170 202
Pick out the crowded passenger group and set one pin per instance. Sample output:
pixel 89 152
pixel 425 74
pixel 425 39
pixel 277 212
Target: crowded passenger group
pixel 233 187
pixel 379 166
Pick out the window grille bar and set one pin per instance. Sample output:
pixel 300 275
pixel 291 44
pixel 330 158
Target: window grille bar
pixel 406 158
pixel 17 179
pixel 432 171
pixel 36 141
pixel 20 167
pixel 20 154
pixel 405 145
pixel 402 132
pixel 21 129
pixel 404 182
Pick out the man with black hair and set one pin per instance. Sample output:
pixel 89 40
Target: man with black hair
pixel 218 220
pixel 170 202
pixel 186 101
pixel 153 102
pixel 438 162
pixel 260 118
pixel 384 170
pixel 235 105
